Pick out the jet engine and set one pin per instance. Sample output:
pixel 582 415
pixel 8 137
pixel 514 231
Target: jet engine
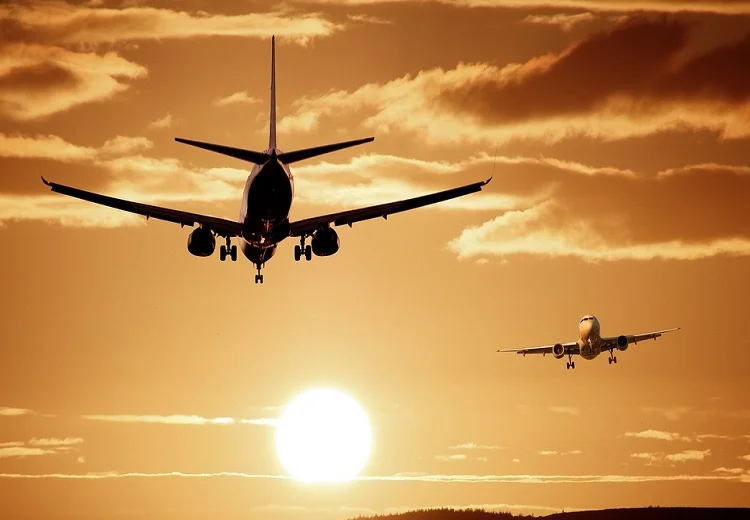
pixel 558 351
pixel 622 343
pixel 325 242
pixel 201 242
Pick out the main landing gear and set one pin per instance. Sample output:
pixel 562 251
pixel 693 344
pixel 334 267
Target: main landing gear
pixel 612 357
pixel 302 249
pixel 258 277
pixel 228 249
pixel 570 364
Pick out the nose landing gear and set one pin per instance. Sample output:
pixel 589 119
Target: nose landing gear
pixel 258 277
pixel 570 364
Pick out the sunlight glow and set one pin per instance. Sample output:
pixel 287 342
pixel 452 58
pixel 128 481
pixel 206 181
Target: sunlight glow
pixel 323 436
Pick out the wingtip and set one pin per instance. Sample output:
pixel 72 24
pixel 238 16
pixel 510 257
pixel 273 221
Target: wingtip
pixel 485 183
pixel 45 181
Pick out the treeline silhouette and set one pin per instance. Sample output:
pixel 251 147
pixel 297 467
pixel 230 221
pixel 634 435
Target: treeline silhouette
pixel 643 513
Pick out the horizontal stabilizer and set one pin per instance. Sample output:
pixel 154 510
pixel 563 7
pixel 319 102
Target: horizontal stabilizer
pixel 237 153
pixel 309 153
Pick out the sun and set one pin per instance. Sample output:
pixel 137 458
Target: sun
pixel 323 436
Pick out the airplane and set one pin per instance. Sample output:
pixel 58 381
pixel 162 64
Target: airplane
pixel 590 343
pixel 266 201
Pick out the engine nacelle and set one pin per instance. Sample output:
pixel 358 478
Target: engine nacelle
pixel 325 242
pixel 622 343
pixel 201 242
pixel 558 351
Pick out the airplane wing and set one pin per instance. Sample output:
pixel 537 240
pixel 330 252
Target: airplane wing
pixel 635 338
pixel 220 226
pixel 309 225
pixel 570 348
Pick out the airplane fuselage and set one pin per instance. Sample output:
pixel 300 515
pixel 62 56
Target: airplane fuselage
pixel 589 337
pixel 266 201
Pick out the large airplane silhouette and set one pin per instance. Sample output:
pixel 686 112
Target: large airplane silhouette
pixel 266 201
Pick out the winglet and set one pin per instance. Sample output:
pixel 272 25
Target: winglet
pixel 45 181
pixel 485 183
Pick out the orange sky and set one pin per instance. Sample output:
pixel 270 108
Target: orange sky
pixel 620 188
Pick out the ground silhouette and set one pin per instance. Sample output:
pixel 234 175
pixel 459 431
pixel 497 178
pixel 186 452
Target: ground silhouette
pixel 644 513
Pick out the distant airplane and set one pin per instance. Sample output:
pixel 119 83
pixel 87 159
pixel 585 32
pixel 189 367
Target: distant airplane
pixel 590 343
pixel 266 201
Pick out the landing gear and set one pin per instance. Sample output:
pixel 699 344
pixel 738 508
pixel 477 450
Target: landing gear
pixel 570 364
pixel 258 277
pixel 612 357
pixel 228 249
pixel 302 249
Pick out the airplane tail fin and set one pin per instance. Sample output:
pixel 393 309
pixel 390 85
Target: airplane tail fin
pixel 308 153
pixel 272 125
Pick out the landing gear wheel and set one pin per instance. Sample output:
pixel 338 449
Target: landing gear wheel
pixel 223 253
pixel 233 253
pixel 308 253
pixel 258 278
pixel 297 253
pixel 614 360
pixel 567 365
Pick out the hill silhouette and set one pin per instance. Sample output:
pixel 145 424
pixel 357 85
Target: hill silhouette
pixel 643 513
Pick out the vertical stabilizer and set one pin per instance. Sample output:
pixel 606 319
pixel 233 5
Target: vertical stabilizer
pixel 272 129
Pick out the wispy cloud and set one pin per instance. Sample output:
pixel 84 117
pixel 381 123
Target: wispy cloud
pixel 454 457
pixel 368 19
pixel 548 453
pixel 11 444
pixel 616 6
pixel 178 419
pixel 568 410
pixel 534 232
pixel 402 477
pixel 657 434
pixel 731 471
pixel 475 446
pixel 44 71
pixel 745 457
pixel 565 21
pixel 23 451
pixel 164 122
pixel 688 455
pixel 53 441
pixel 487 104
pixel 238 98
pixel 13 412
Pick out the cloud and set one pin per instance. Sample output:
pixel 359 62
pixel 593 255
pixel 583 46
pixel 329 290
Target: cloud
pixel 52 441
pixel 4 410
pixel 66 23
pixel 656 434
pixel 454 457
pixel 11 444
pixel 687 455
pixel 475 446
pixel 368 19
pixel 400 477
pixel 673 413
pixel 651 457
pixel 235 99
pixel 45 71
pixel 177 419
pixel 713 436
pixel 745 457
pixel 731 471
pixel 569 410
pixel 22 452
pixel 164 122
pixel 37 81
pixel 565 21
pixel 633 93
pixel 551 229
pixel 620 6
pixel 547 453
